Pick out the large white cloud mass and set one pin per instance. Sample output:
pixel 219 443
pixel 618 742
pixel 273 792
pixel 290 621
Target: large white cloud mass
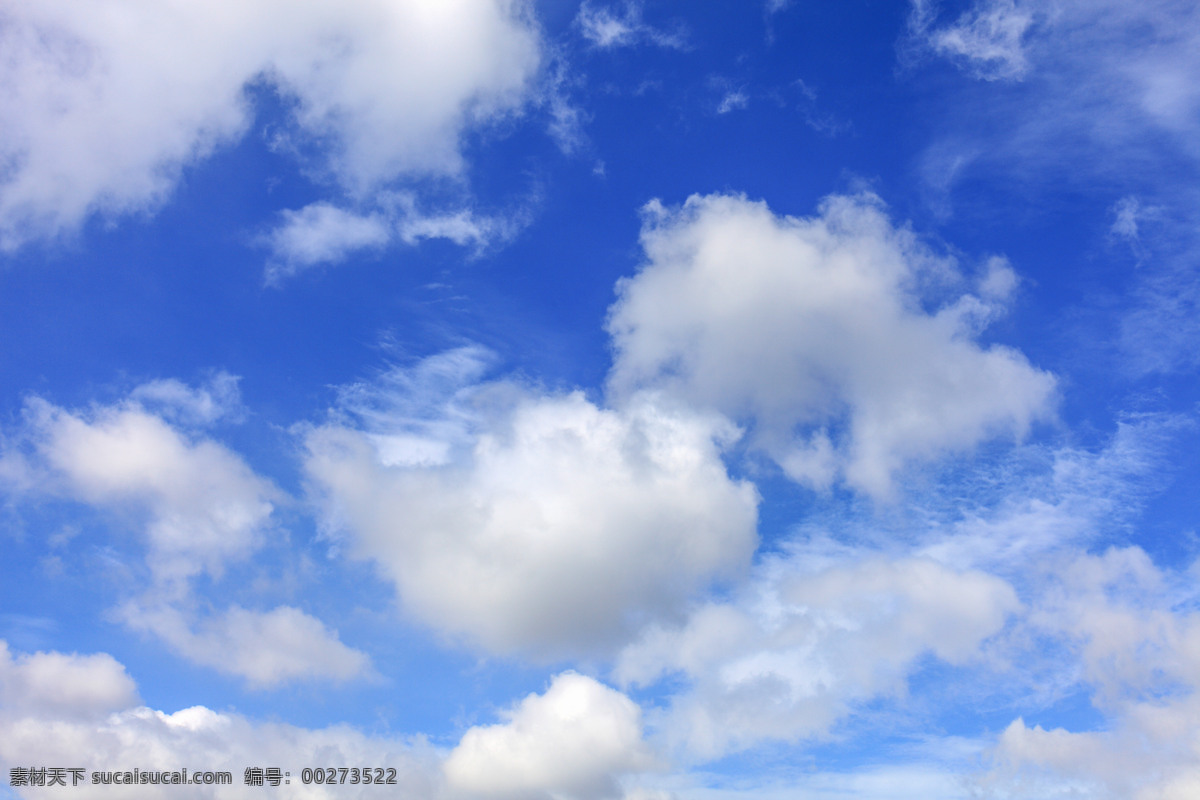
pixel 103 104
pixel 817 329
pixel 574 741
pixel 552 526
pixel 804 644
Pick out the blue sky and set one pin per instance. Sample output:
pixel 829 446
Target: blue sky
pixel 643 400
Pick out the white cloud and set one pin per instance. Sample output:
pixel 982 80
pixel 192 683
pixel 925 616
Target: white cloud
pixel 806 643
pixel 577 741
pixel 174 400
pixel 574 741
pixel 545 524
pixel 987 39
pixel 733 101
pixel 606 28
pixel 266 648
pixel 71 686
pixel 116 735
pixel 1095 102
pixel 104 105
pixel 319 234
pixel 1136 633
pixel 816 330
pixel 205 506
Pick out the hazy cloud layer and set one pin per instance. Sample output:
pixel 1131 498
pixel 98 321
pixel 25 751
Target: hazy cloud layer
pixel 803 646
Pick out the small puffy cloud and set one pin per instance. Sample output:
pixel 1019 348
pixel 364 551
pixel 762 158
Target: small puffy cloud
pixel 266 648
pixel 543 524
pixel 804 645
pixel 321 233
pixel 606 28
pixel 174 400
pixel 820 332
pixel 204 505
pixel 571 743
pixel 100 116
pixel 72 686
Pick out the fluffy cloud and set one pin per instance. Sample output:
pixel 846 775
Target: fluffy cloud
pixel 817 330
pixel 803 646
pixel 104 105
pixel 70 686
pixel 1137 636
pixel 574 741
pixel 174 400
pixel 201 506
pixel 548 525
pixel 319 234
pixel 205 506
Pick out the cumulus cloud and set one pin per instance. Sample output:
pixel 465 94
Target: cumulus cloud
pixel 805 643
pixel 204 505
pixel 572 742
pixel 542 524
pixel 819 332
pixel 1136 633
pixel 321 233
pixel 104 106
pixel 69 686
pixel 576 741
pixel 105 729
pixel 201 508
